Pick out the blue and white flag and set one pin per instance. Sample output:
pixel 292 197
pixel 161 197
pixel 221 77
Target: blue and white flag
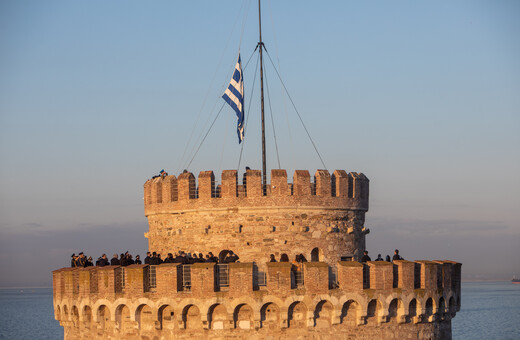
pixel 234 96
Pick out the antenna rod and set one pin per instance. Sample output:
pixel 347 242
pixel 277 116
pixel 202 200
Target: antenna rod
pixel 261 46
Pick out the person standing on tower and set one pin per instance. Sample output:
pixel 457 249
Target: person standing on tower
pixel 365 257
pixel 115 261
pixel 148 258
pixel 396 255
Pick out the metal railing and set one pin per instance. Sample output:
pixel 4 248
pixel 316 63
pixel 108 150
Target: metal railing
pixel 366 277
pixel 395 282
pixel 259 278
pixel 120 279
pixel 262 279
pixel 417 276
pixel 222 276
pixel 333 278
pixel 186 277
pixel 153 277
pixel 216 191
pixel 298 278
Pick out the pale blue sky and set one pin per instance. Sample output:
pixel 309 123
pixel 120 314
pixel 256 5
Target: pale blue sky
pixel 422 97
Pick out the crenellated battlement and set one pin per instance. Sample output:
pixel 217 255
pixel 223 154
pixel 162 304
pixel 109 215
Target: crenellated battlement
pixel 341 190
pixel 204 297
pixel 206 280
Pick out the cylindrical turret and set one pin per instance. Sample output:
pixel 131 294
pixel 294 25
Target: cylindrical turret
pixel 322 219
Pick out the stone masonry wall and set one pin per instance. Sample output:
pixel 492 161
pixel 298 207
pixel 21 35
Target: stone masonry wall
pixel 256 234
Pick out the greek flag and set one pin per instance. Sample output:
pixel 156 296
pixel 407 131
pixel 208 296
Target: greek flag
pixel 234 96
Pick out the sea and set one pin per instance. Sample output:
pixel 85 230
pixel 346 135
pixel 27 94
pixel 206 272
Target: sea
pixel 490 310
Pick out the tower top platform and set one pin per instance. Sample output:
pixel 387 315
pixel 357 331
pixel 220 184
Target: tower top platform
pixel 341 190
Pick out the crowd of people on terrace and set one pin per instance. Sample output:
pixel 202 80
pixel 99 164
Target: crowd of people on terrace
pixel 396 256
pixel 152 258
pixel 189 258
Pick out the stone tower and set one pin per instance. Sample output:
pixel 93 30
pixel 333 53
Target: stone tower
pixel 332 296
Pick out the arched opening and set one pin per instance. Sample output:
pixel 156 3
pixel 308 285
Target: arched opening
pixel 191 317
pixel 166 317
pixel 144 318
pixel 65 313
pixel 412 309
pixel 57 313
pixel 284 258
pixel 316 255
pixel 350 313
pixel 243 317
pixel 270 316
pixel 123 319
pixel 442 307
pixel 103 316
pixel 87 316
pixel 395 310
pixel 374 311
pixel 75 316
pixel 217 317
pixel 297 316
pixel 453 307
pixel 323 314
pixel 429 307
pixel 222 255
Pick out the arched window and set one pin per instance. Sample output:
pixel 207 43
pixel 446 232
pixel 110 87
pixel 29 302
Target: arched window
pixel 429 307
pixel 374 311
pixel 144 318
pixel 75 316
pixel 412 309
pixel 103 315
pixel 243 317
pixel 166 317
pixel 270 316
pixel 349 313
pixel 191 317
pixel 323 314
pixel 123 319
pixel 395 310
pixel 442 307
pixel 316 255
pixel 217 317
pixel 222 255
pixel 297 316
pixel 87 316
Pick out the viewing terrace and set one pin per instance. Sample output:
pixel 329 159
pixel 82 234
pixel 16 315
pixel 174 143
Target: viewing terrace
pixel 236 295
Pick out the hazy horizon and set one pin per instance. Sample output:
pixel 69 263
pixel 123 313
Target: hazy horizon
pixel 97 97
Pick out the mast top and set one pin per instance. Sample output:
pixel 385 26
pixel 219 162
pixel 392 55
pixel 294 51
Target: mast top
pixel 261 46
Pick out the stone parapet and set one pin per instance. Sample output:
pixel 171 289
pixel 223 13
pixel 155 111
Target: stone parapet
pixel 202 280
pixel 341 190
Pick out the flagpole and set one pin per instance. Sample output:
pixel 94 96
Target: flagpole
pixel 261 46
